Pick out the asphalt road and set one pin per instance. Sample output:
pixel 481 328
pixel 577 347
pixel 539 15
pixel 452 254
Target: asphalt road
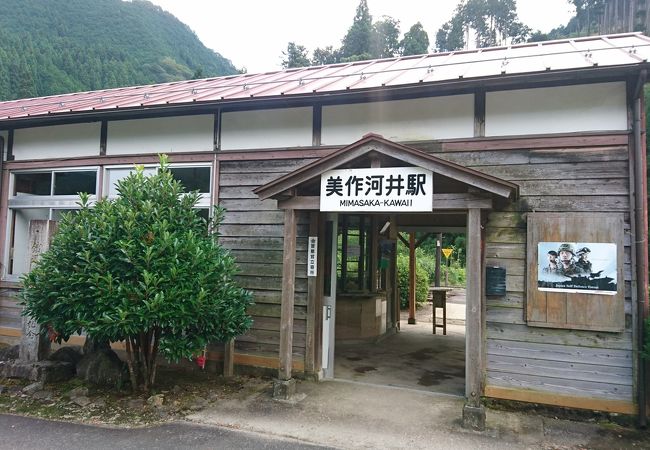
pixel 28 433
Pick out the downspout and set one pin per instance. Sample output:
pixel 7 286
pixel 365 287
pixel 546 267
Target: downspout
pixel 641 242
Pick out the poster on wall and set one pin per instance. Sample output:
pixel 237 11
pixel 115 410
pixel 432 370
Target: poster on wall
pixel 577 267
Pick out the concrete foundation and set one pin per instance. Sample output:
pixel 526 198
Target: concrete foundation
pixel 473 417
pixel 284 389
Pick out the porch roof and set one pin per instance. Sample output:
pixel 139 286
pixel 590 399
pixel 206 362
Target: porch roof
pixel 375 144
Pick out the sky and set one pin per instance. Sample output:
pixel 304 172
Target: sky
pixel 253 33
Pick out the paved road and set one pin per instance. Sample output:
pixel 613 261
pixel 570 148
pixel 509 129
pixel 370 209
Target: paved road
pixel 27 433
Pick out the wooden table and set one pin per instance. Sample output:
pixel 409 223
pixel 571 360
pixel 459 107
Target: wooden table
pixel 438 298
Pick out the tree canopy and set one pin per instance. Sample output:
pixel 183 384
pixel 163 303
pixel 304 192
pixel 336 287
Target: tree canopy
pixel 415 42
pixel 489 22
pixel 364 40
pixel 52 47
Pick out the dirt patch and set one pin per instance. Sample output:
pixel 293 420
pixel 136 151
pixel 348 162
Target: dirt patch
pixel 364 369
pixel 177 393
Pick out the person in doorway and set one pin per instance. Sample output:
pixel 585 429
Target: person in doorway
pixel 567 266
pixel 583 262
pixel 552 262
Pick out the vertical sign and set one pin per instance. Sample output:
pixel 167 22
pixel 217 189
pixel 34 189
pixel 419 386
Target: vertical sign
pixel 312 254
pixel 386 189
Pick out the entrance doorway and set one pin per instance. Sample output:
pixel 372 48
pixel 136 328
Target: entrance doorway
pixel 367 337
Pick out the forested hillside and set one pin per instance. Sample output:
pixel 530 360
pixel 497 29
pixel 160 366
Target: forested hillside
pixel 57 46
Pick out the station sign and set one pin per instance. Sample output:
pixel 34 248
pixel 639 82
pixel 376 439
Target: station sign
pixel 386 189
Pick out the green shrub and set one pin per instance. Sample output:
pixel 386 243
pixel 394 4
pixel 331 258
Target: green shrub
pixel 421 281
pixel 145 269
pixel 454 274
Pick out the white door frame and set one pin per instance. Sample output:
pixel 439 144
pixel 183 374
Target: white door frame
pixel 329 302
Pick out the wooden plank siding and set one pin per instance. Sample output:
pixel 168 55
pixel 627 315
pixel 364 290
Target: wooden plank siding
pixel 253 231
pixel 588 176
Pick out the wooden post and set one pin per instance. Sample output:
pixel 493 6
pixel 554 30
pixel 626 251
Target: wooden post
pixel 288 291
pixel 34 346
pixel 411 320
pixel 374 253
pixel 229 359
pixel 285 386
pixel 391 278
pixel 473 411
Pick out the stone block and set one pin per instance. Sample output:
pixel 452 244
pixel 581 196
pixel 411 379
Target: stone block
pixel 44 371
pixel 284 389
pixel 34 346
pixel 474 417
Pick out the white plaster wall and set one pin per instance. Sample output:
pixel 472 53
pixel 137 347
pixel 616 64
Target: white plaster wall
pixel 563 109
pixel 268 128
pixel 161 135
pixel 400 120
pixel 59 141
pixel 21 237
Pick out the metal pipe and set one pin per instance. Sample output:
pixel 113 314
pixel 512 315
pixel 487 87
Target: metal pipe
pixel 641 248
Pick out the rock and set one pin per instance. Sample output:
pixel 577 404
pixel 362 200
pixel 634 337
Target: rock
pixel 92 346
pixel 9 353
pixel 45 371
pixel 98 403
pixel 78 392
pixel 14 391
pixel 43 395
pixel 103 368
pixel 67 354
pixel 3 389
pixel 156 400
pixel 176 389
pixel 32 388
pixel 135 403
pixel 82 401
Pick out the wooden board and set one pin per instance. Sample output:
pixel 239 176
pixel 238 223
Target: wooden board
pixel 575 310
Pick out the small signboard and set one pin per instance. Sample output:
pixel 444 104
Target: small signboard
pixel 447 252
pixel 312 256
pixel 386 189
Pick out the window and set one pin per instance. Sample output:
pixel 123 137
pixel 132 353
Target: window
pixel 41 195
pixel 355 241
pixel 192 177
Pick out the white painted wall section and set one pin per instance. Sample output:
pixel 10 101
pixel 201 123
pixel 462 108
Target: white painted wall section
pixel 268 128
pixel 563 109
pixel 400 120
pixel 59 141
pixel 161 135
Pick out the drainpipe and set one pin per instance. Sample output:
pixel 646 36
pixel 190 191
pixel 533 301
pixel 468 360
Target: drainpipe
pixel 641 242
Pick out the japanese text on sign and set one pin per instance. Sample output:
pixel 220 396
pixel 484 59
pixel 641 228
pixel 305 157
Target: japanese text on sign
pixel 312 254
pixel 382 189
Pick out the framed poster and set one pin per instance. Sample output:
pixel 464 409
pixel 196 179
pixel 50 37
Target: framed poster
pixel 574 274
pixel 578 267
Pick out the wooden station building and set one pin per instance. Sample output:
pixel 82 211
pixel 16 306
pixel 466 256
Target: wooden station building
pixel 530 150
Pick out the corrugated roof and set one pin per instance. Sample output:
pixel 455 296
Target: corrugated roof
pixel 551 56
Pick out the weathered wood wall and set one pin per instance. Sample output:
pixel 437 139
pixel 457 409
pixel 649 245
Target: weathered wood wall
pixel 560 175
pixel 253 230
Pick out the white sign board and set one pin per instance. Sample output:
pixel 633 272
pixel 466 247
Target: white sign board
pixel 312 256
pixel 387 189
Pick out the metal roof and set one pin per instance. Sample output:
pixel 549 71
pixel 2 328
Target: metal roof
pixel 628 49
